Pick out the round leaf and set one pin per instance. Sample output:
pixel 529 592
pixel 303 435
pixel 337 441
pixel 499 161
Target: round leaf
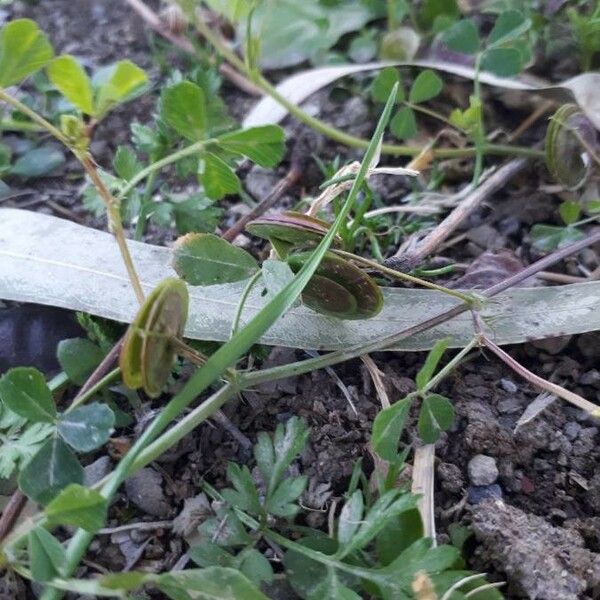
pixel 24 391
pixel 52 469
pixel 404 124
pixel 78 357
pixel 427 85
pixel 183 107
pixel 462 37
pixel 383 84
pixel 503 62
pixel 87 427
pixel 205 259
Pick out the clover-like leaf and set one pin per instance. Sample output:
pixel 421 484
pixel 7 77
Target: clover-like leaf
pixel 426 86
pixel 462 37
pixel 24 391
pixel 78 506
pixel 119 83
pixel 263 145
pixel 504 62
pixel 87 427
pixel 183 107
pixel 387 429
pixel 509 25
pixel 404 124
pixel 24 49
pixel 217 177
pixel 78 357
pixel 382 85
pixel 71 80
pixel 206 259
pixel 437 414
pixel 53 468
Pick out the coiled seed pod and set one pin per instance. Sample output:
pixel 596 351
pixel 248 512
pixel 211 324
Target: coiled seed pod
pixel 338 288
pixel 569 136
pixel 147 354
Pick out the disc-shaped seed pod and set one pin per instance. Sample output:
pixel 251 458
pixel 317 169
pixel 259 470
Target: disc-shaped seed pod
pixel 569 136
pixel 291 228
pixel 148 353
pixel 338 288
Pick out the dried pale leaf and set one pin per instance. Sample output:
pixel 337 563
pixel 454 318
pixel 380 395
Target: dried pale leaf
pixel 51 261
pixel 581 89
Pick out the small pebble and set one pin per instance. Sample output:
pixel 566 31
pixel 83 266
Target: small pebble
pixel 482 470
pixel 591 377
pixel 508 386
pixel 572 429
pixel 509 406
pixel 479 493
pixel 97 470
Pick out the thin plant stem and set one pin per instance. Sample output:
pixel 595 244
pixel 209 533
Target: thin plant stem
pixel 242 301
pixel 194 148
pixel 112 205
pixel 469 299
pixel 99 385
pixel 145 205
pixel 338 135
pixel 548 386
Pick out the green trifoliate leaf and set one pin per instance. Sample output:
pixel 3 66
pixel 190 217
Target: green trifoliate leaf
pixel 383 84
pixel 78 506
pixel 78 357
pixel 24 391
pixel 217 177
pixel 24 49
pixel 388 427
pixel 53 468
pixel 87 427
pixel 426 86
pixel 508 26
pixel 437 415
pixel 404 124
pixel 183 107
pixel 263 145
pixel 462 37
pixel 124 81
pixel 504 62
pixel 71 80
pixel 205 259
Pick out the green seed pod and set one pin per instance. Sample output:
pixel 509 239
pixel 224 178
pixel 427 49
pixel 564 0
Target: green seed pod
pixel 291 228
pixel 568 134
pixel 147 354
pixel 339 288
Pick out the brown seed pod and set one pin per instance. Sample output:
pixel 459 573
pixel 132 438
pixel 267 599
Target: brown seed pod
pixel 569 136
pixel 147 354
pixel 338 288
pixel 290 227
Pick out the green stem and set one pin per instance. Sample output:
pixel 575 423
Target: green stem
pixel 405 276
pixel 338 135
pixel 112 205
pixel 145 205
pixel 443 373
pixel 14 125
pixel 434 115
pixel 480 133
pixel 102 383
pixel 163 162
pixel 58 381
pixel 391 15
pixel 242 301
